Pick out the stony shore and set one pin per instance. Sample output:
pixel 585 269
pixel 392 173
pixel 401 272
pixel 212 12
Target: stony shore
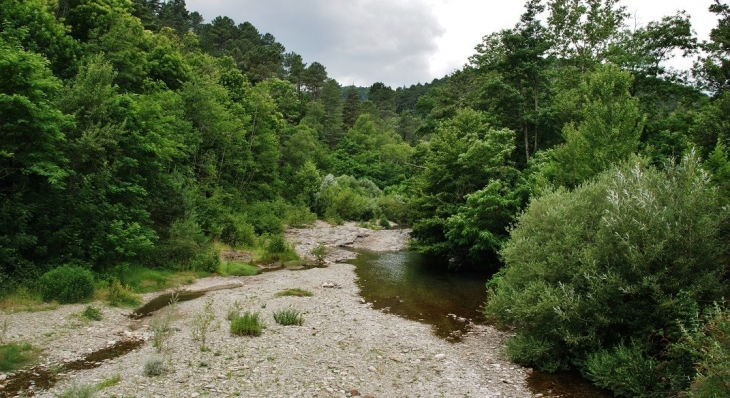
pixel 344 348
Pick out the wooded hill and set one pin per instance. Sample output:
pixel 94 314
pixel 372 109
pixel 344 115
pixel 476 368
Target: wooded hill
pixel 565 154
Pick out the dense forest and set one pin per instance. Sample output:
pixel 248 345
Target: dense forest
pixel 565 156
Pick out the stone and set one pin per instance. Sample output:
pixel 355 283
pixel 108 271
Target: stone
pixel 372 368
pixel 439 356
pixel 354 393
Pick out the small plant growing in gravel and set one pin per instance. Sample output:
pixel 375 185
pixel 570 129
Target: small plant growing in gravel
pixel 160 325
pixel 77 391
pixel 234 310
pixel 154 366
pixel 109 381
pixel 91 313
pixel 319 253
pixel 296 292
pixel 248 324
pixel 288 316
pixel 4 326
pixel 120 295
pixel 203 322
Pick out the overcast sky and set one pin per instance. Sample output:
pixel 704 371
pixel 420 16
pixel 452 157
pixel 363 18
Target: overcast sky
pixel 403 42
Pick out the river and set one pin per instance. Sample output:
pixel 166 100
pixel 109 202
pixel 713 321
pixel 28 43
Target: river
pixel 414 286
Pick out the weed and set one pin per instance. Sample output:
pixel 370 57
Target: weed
pixel 16 355
pixel 121 296
pixel 296 292
pixel 160 325
pixel 4 326
pixel 319 253
pixel 91 313
pixel 109 381
pixel 154 366
pixel 288 316
pixel 78 391
pixel 248 324
pixel 234 310
pixel 203 322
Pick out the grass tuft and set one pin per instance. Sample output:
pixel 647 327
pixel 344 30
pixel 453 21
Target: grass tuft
pixel 109 381
pixel 91 313
pixel 296 292
pixel 78 391
pixel 248 324
pixel 288 316
pixel 121 296
pixel 154 366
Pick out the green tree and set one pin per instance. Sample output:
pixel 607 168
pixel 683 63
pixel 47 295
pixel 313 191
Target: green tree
pixel 351 107
pixel 601 277
pixel 608 132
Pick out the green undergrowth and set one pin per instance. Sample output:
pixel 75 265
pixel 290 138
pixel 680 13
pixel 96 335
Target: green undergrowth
pixel 231 268
pixel 14 356
pixel 296 292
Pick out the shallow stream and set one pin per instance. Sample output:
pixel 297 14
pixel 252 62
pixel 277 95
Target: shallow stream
pixel 413 286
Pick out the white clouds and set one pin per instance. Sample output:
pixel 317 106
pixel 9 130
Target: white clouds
pixel 402 42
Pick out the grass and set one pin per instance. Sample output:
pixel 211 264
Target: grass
pixel 91 313
pixel 288 317
pixel 237 269
pixel 25 300
pixel 109 381
pixel 118 295
pixel 14 356
pixel 248 324
pixel 202 323
pixel 146 280
pixel 296 292
pixel 78 391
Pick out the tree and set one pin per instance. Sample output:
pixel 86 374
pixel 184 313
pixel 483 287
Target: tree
pixel 174 14
pixel 601 277
pixel 583 31
pixel 314 78
pixel 608 132
pixel 384 99
pixel 295 68
pixel 351 107
pixel 714 69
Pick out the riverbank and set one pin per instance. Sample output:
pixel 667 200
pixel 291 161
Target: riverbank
pixel 344 348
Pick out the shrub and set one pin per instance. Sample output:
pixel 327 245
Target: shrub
pixel 91 313
pixel 202 323
pixel 119 295
pixel 67 284
pixel 160 325
pixel 319 253
pixel 288 316
pixel 278 249
pixel 248 324
pixel 234 310
pixel 154 366
pixel 619 259
pixel 296 292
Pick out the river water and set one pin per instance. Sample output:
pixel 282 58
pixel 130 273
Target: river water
pixel 414 286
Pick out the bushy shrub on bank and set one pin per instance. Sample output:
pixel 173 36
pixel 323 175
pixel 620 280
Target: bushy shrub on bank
pixel 67 284
pixel 602 277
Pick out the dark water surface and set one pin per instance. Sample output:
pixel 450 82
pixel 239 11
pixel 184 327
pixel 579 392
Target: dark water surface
pixel 414 286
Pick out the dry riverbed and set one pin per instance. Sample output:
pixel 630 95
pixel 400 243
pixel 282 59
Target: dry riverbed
pixel 344 348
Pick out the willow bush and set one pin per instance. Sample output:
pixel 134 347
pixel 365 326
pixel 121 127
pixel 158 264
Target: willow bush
pixel 601 277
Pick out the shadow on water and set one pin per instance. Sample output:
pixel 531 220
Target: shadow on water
pixel 414 286
pixel 162 301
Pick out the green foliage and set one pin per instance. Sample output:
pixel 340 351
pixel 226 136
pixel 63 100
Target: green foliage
pixel 248 324
pixel 469 192
pixel 78 391
pixel 237 269
pixel 319 252
pixel 91 313
pixel 296 292
pixel 120 295
pixel 202 323
pixel 288 317
pixel 14 356
pixel 620 259
pixel 67 284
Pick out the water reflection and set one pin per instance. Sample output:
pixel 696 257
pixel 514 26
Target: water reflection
pixel 416 287
pixel 411 285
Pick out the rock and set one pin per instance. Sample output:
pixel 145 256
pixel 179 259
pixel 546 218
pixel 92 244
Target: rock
pixel 396 358
pixel 3 377
pixel 439 356
pixel 354 393
pixel 194 395
pixel 372 368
